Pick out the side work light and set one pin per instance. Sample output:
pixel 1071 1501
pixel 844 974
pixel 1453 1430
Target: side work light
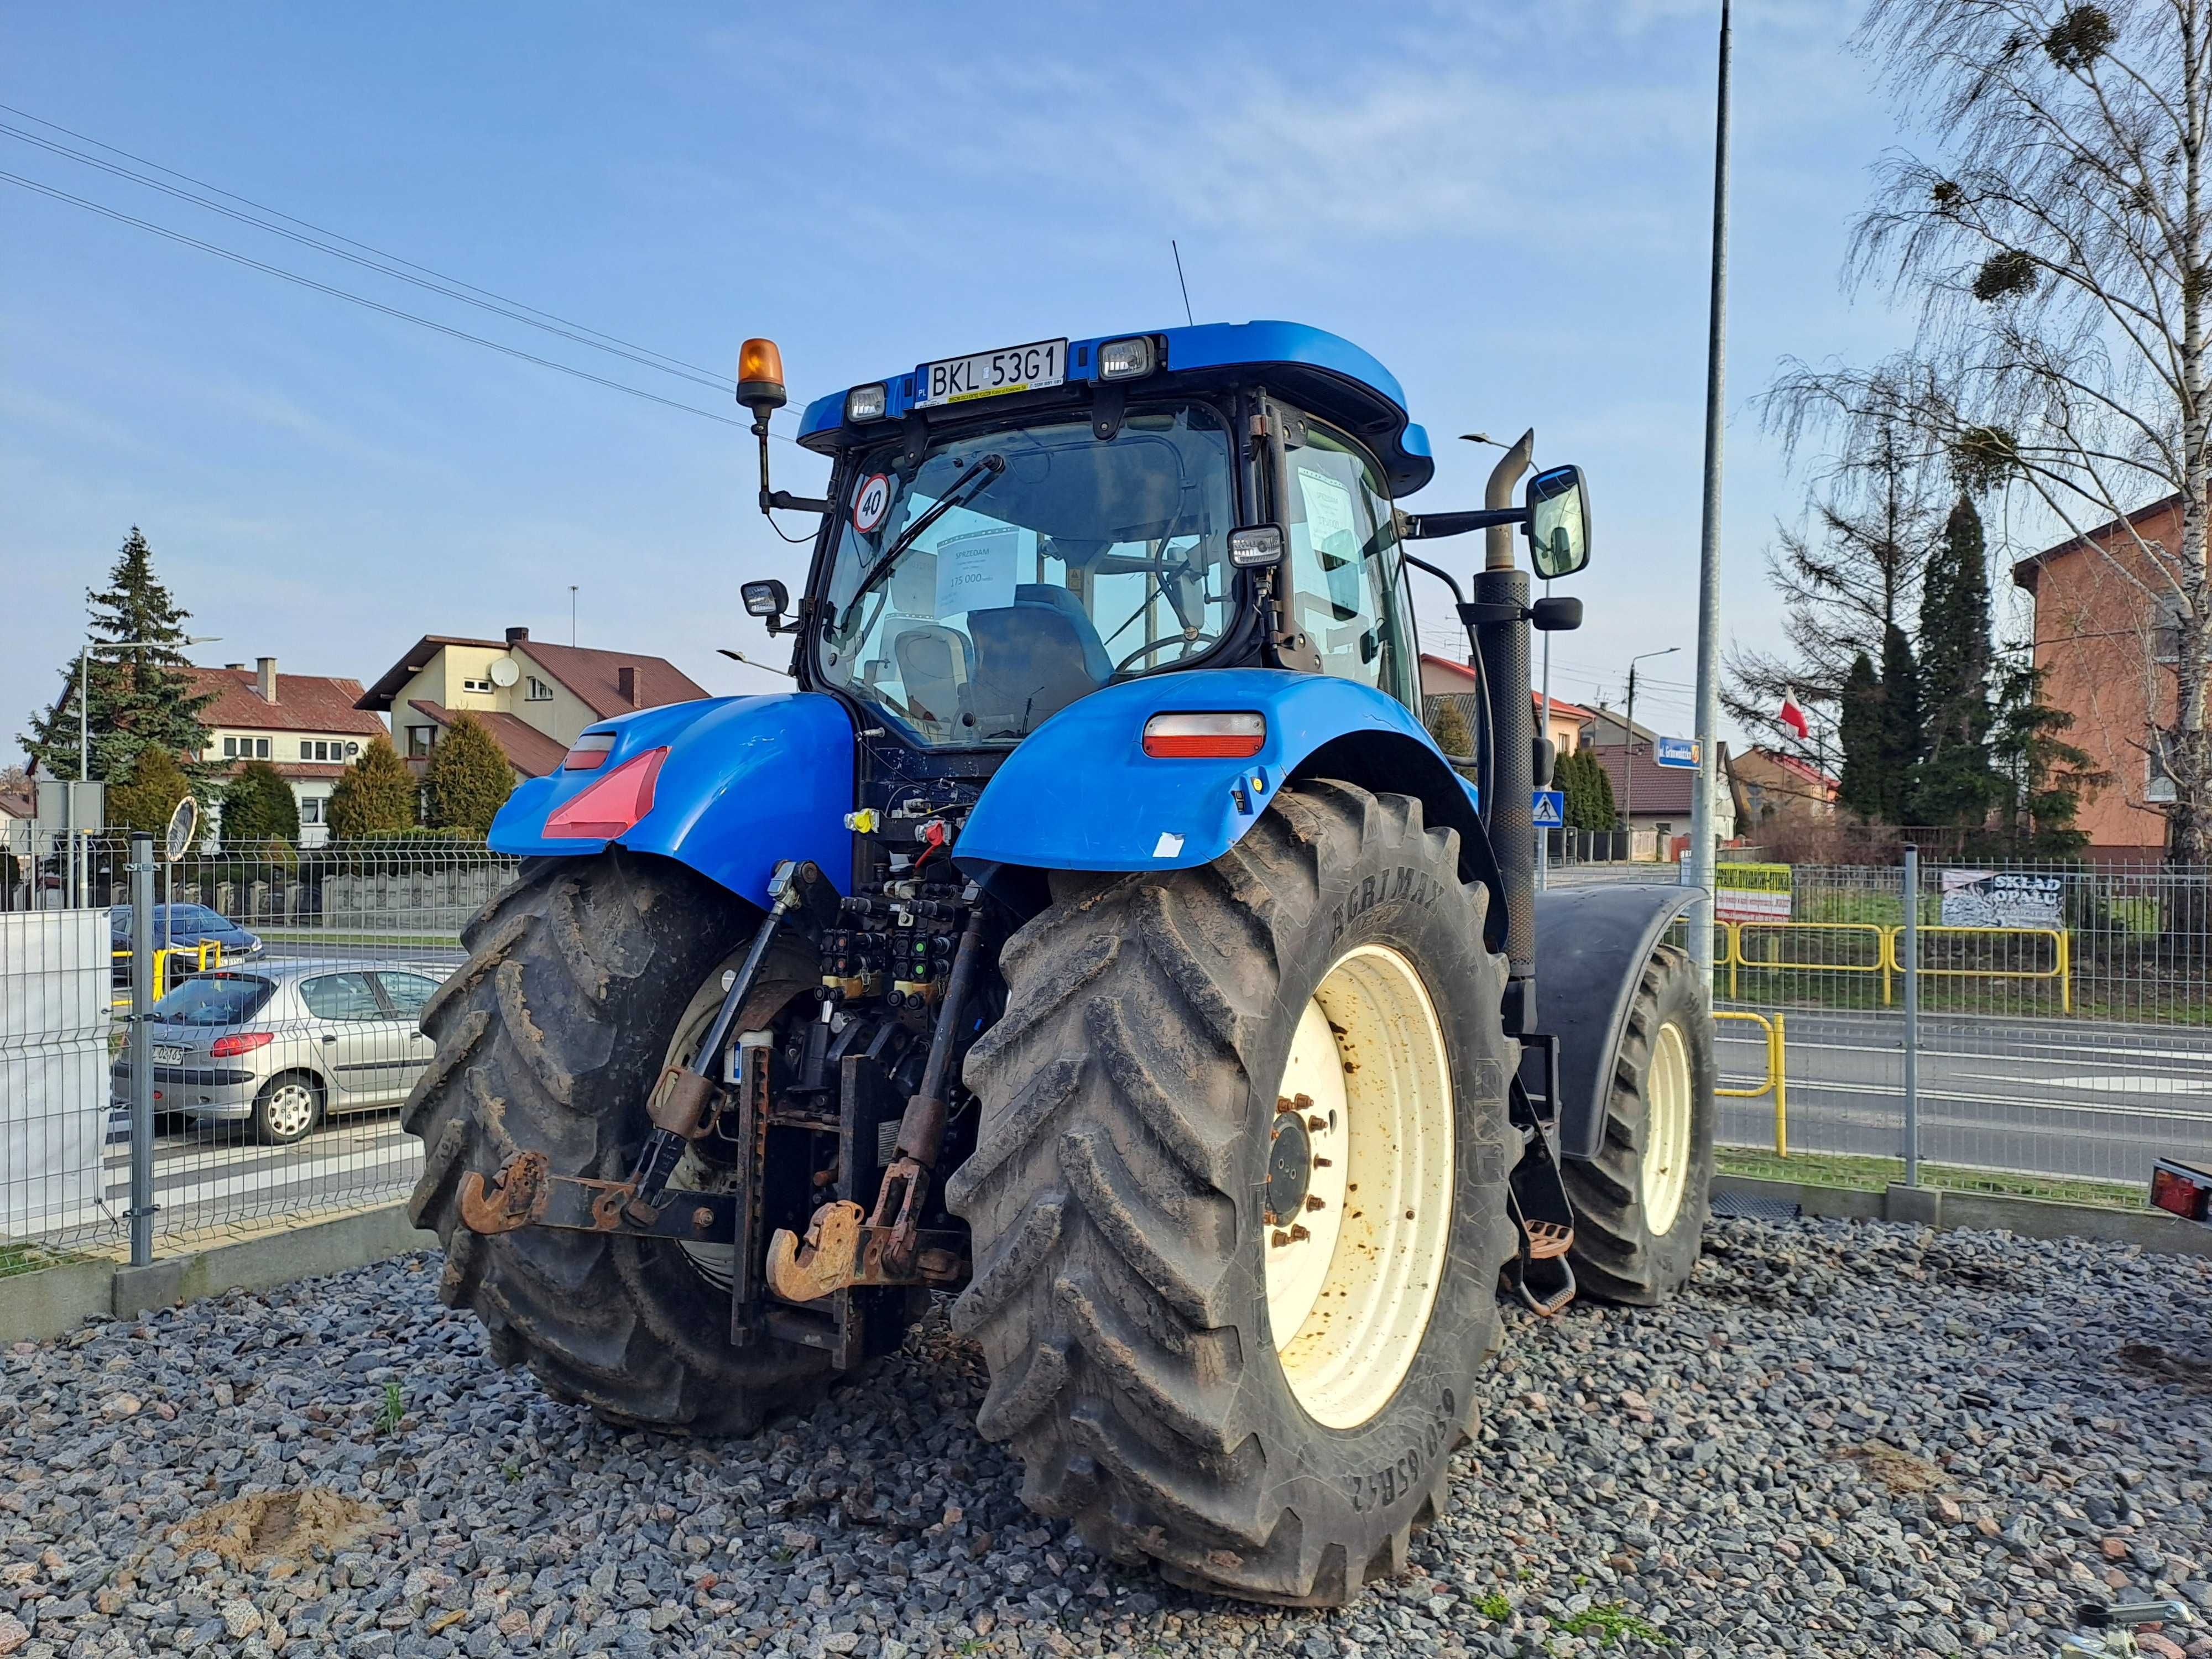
pixel 867 403
pixel 1127 360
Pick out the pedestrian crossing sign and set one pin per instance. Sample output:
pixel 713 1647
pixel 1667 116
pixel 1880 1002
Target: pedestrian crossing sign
pixel 1550 809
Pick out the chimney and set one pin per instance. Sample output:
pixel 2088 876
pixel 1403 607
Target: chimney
pixel 234 668
pixel 265 669
pixel 517 636
pixel 626 684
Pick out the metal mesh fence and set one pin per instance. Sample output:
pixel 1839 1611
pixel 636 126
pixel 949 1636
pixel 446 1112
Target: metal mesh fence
pixel 282 1042
pixel 2063 1031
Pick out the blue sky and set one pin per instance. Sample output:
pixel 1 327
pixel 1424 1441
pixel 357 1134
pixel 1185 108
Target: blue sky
pixel 1506 202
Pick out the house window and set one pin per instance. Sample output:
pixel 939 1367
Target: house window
pixel 230 748
pixel 481 686
pixel 2158 780
pixel 311 809
pixel 539 691
pixel 307 750
pixel 2167 645
pixel 260 748
pixel 420 740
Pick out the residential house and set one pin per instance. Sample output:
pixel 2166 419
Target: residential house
pixel 1442 677
pixel 1656 798
pixel 533 697
pixel 306 726
pixel 2106 642
pixel 1772 784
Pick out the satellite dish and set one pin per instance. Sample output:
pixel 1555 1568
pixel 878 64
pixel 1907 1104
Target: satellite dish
pixel 184 829
pixel 505 671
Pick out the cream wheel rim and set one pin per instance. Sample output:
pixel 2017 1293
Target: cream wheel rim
pixel 1666 1130
pixel 1353 1267
pixel 291 1110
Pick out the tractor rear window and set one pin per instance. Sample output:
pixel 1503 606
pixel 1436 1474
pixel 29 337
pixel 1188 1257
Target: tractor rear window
pixel 1063 562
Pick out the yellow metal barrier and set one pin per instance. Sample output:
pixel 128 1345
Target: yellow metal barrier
pixel 207 954
pixel 1882 964
pixel 2062 958
pixel 1776 1083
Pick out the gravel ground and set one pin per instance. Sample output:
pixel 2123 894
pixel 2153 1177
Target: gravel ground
pixel 1846 1439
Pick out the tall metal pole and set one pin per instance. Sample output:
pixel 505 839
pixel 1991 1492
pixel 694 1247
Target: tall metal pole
pixel 1544 836
pixel 1912 964
pixel 1709 546
pixel 142 1049
pixel 1628 766
pixel 84 773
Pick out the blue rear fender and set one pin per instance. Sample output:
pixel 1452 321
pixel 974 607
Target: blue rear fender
pixel 1080 792
pixel 748 781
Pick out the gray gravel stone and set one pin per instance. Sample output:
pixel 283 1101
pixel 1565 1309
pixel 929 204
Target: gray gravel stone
pixel 1843 1439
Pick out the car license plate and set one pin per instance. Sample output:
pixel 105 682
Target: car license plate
pixel 167 1054
pixel 991 374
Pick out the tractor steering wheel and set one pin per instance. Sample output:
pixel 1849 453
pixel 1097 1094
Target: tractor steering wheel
pixel 1144 651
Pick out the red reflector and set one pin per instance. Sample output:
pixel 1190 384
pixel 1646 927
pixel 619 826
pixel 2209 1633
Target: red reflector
pixel 589 752
pixel 240 1042
pixel 611 804
pixel 1215 736
pixel 2181 1187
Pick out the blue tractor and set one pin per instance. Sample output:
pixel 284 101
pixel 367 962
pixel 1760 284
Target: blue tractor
pixel 1095 932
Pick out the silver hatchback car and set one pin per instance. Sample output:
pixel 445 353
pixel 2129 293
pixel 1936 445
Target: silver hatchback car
pixel 285 1044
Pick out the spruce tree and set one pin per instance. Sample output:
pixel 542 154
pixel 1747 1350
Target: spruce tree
pixel 376 796
pixel 157 783
pixel 2042 777
pixel 135 698
pixel 1858 733
pixel 1954 783
pixel 468 777
pixel 258 806
pixel 1900 704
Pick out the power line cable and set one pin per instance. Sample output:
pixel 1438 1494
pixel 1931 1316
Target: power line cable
pixel 261 207
pixel 372 305
pixel 355 258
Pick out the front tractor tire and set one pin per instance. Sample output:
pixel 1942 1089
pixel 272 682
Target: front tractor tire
pixel 583 980
pixel 1641 1205
pixel 1239 1199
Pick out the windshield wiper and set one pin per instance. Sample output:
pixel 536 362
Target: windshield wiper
pixel 986 467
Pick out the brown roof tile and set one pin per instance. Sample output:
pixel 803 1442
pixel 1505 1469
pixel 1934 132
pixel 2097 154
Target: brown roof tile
pixel 528 749
pixel 596 676
pixel 304 703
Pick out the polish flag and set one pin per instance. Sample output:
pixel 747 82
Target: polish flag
pixel 1792 716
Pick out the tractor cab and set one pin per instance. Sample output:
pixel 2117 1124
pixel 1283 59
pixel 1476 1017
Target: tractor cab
pixel 1008 533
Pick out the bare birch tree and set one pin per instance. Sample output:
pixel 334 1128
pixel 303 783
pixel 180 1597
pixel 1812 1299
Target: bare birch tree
pixel 2056 246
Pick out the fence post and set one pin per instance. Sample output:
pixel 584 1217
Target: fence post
pixel 1780 1066
pixel 1911 969
pixel 142 1049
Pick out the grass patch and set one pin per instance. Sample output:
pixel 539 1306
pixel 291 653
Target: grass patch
pixel 1495 1607
pixel 21 1256
pixel 1871 1175
pixel 1609 1620
pixel 393 1411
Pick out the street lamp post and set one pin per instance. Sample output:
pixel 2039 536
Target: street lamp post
pixel 84 733
pixel 1628 750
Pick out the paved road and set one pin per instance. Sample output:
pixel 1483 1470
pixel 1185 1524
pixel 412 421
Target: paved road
pixel 2054 1097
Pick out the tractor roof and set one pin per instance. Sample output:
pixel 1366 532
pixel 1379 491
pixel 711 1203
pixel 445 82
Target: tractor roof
pixel 1320 372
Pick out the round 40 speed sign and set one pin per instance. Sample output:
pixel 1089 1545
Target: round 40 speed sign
pixel 870 502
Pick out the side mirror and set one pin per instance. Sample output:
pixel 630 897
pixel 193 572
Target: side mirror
pixel 1558 615
pixel 1558 522
pixel 767 600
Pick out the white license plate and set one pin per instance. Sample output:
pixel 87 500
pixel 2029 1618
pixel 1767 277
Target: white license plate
pixel 167 1054
pixel 990 373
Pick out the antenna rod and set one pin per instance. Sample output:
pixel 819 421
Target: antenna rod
pixel 1184 286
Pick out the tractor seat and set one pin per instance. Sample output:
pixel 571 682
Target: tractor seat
pixel 1033 657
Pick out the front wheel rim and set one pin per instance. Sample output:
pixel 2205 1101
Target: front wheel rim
pixel 1355 1254
pixel 1666 1130
pixel 291 1110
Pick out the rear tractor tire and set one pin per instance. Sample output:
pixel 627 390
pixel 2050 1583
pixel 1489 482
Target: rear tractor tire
pixel 584 980
pixel 1641 1205
pixel 1238 1198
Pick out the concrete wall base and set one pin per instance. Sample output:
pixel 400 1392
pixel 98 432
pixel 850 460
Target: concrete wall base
pixel 2153 1230
pixel 35 1307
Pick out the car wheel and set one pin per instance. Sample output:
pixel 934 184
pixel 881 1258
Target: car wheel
pixel 287 1107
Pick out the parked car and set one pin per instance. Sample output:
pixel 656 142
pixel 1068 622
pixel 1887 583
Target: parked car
pixel 185 926
pixel 285 1045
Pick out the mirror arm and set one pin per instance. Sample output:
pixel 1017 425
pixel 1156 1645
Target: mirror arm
pixel 1443 576
pixel 784 501
pixel 1426 527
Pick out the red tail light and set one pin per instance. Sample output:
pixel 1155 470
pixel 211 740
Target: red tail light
pixel 1205 736
pixel 611 804
pixel 588 753
pixel 240 1042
